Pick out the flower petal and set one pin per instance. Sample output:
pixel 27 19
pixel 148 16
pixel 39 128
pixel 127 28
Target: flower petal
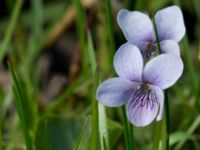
pixel 160 95
pixel 128 62
pixel 136 26
pixel 170 46
pixel 115 91
pixel 170 24
pixel 143 106
pixel 163 70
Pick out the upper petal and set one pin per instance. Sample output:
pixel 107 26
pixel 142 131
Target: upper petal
pixel 115 91
pixel 136 26
pixel 170 24
pixel 163 70
pixel 128 62
pixel 170 46
pixel 143 106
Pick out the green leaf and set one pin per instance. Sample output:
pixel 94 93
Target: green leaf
pixel 56 133
pixel 20 105
pixel 115 130
pixel 81 137
pixel 110 27
pixel 80 19
pixel 127 135
pixel 91 53
pixel 95 75
pixel 192 128
pixel 103 129
pixel 179 136
pixel 10 29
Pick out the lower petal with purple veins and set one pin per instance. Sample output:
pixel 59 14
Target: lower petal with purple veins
pixel 143 106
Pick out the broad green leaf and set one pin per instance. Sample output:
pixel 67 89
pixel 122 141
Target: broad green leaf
pixel 81 137
pixel 56 133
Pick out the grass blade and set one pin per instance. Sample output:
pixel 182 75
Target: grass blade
pixel 131 139
pixel 103 130
pixel 91 53
pixel 80 18
pixel 110 27
pixel 3 109
pixel 127 135
pixel 93 65
pixel 188 60
pixel 167 119
pixel 77 145
pixel 10 29
pixel 189 64
pixel 157 136
pixel 20 106
pixel 179 136
pixel 195 124
pixel 37 8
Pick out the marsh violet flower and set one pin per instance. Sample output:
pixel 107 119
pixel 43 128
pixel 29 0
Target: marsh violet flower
pixel 140 87
pixel 139 30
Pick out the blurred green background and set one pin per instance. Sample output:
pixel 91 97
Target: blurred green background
pixel 58 50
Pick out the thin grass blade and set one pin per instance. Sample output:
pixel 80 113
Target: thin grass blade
pixel 20 106
pixel 93 66
pixel 80 19
pixel 192 128
pixel 103 130
pixel 80 139
pixel 10 29
pixel 110 27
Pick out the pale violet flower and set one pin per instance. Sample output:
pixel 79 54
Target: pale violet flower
pixel 139 30
pixel 140 87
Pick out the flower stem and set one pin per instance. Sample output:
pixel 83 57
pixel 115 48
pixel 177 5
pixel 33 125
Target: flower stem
pixel 166 92
pixel 131 136
pixel 157 37
pixel 167 119
pixel 156 140
pixel 127 134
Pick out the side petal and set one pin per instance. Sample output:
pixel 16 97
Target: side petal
pixel 115 92
pixel 143 106
pixel 163 70
pixel 136 26
pixel 170 24
pixel 170 46
pixel 128 62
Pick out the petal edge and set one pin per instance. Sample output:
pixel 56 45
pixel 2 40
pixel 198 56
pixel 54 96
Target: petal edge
pixel 163 70
pixel 128 62
pixel 115 92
